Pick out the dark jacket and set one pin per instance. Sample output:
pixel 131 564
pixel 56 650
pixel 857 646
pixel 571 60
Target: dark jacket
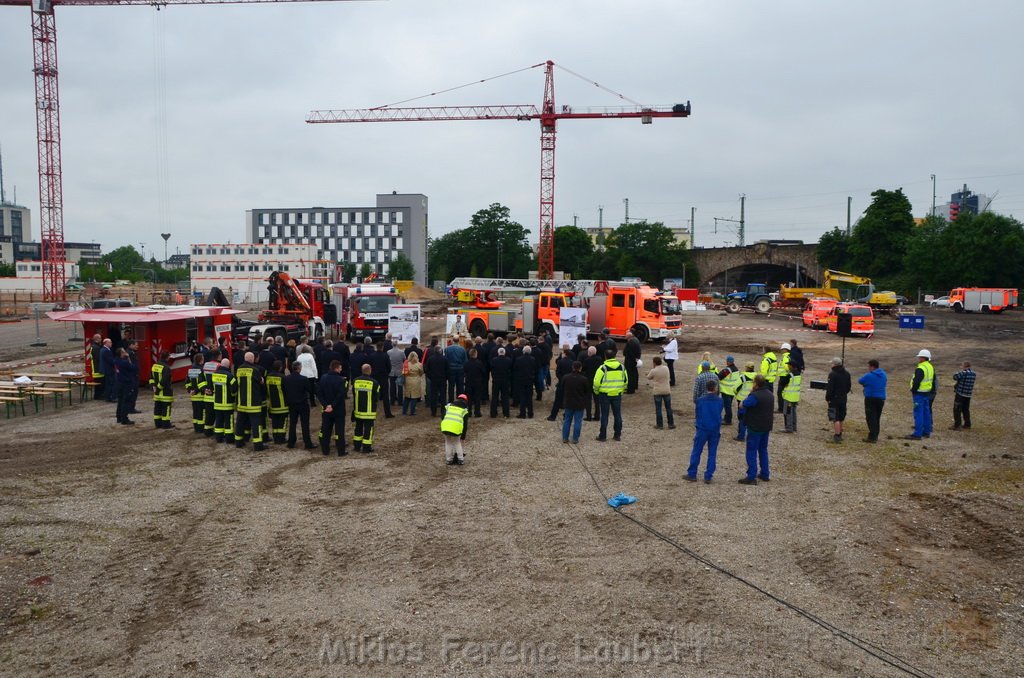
pixel 127 372
pixel 632 351
pixel 524 369
pixel 381 364
pixel 501 369
pixel 563 367
pixel 436 368
pixel 576 391
pixel 296 389
pixel 476 373
pixel 838 385
pixel 331 391
pixel 591 365
pixel 759 410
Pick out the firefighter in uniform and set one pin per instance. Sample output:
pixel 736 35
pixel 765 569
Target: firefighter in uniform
pixel 225 392
pixel 277 408
pixel 211 365
pixel 163 398
pixel 331 390
pixel 96 366
pixel 252 395
pixel 366 392
pixel 195 385
pixel 454 425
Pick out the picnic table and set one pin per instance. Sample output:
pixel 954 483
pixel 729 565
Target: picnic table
pixel 36 391
pixel 66 380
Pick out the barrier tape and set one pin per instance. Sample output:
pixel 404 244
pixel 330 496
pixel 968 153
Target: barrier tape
pixel 762 329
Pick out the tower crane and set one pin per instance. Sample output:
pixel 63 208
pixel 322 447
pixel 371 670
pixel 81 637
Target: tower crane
pixel 548 115
pixel 44 53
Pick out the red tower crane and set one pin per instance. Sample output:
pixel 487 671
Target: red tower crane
pixel 548 116
pixel 44 51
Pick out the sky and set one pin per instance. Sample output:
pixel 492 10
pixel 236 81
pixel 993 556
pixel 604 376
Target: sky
pixel 180 120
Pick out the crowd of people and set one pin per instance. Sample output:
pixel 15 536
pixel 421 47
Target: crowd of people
pixel 262 391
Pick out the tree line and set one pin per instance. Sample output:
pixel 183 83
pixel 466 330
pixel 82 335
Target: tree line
pixel 886 245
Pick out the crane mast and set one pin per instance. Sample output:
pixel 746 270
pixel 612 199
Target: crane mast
pixel 548 116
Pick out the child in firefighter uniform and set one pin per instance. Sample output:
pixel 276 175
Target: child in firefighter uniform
pixel 454 425
pixel 366 392
pixel 163 398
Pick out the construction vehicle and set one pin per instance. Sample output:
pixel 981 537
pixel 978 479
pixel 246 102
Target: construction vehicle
pixel 617 306
pixel 362 309
pixel 295 308
pixel 982 299
pixel 864 293
pixel 475 298
pixel 755 296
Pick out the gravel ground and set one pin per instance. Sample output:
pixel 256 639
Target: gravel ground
pixel 146 552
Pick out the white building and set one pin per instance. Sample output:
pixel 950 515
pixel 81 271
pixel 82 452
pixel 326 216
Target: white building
pixel 29 276
pixel 240 270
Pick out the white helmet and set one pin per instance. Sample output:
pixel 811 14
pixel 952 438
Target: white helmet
pixel 786 347
pixel 924 353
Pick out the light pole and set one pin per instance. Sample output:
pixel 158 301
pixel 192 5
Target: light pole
pixel 166 237
pixel 933 195
pixel 499 258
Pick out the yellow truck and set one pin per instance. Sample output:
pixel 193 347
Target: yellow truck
pixel 864 293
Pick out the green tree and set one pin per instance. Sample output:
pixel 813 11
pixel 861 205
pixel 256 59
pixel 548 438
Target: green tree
pixel 402 268
pixel 574 250
pixel 982 250
pixel 879 240
pixel 122 261
pixel 364 271
pixel 834 249
pixel 646 250
pixel 7 271
pixel 491 234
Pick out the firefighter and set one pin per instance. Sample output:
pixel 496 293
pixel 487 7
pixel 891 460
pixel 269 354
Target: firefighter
pixel 209 411
pixel 252 395
pixel 96 366
pixel 277 408
pixel 163 398
pixel 454 425
pixel 195 386
pixel 332 390
pixel 225 392
pixel 366 392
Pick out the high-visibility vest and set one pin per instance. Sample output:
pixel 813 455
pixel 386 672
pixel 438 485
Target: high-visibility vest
pixel 454 421
pixel 709 363
pixel 782 367
pixel 365 392
pixel 196 384
pixel 791 392
pixel 275 394
pixel 730 383
pixel 610 379
pixel 768 362
pixel 208 370
pixel 160 377
pixel 746 385
pixel 94 361
pixel 250 388
pixel 224 390
pixel 928 380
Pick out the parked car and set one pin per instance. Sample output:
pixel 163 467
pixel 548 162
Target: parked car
pixel 74 287
pixel 941 302
pixel 817 311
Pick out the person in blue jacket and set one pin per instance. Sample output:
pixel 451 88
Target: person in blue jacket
pixel 874 382
pixel 127 383
pixel 709 431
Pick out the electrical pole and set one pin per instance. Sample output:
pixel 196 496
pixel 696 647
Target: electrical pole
pixel 933 195
pixel 849 202
pixel 693 227
pixel 743 203
pixel 626 201
pixel 575 220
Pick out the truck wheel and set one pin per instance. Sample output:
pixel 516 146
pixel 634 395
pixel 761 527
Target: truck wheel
pixel 641 333
pixel 763 305
pixel 958 308
pixel 477 328
pixel 733 307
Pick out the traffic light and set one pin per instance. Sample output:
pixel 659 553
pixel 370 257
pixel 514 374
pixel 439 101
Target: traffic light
pixel 954 211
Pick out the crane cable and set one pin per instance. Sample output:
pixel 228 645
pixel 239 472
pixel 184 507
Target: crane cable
pixel 870 648
pixel 160 120
pixel 599 86
pixel 452 89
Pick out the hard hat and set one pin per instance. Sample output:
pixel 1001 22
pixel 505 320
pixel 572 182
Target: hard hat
pixel 786 346
pixel 463 396
pixel 924 353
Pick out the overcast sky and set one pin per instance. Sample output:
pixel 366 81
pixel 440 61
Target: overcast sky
pixel 795 104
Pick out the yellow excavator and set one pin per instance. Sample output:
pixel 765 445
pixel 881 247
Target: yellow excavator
pixel 864 293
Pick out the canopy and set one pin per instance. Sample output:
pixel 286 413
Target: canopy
pixel 141 314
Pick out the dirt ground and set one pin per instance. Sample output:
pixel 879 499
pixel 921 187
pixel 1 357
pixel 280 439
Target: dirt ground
pixel 148 552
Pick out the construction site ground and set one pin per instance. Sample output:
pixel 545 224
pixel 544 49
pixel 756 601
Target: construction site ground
pixel 136 551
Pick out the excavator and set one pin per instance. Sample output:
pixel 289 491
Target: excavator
pixel 864 293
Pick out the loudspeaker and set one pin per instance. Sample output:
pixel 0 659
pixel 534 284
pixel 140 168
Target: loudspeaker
pixel 844 325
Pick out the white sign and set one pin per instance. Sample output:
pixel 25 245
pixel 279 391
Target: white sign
pixel 404 322
pixel 572 322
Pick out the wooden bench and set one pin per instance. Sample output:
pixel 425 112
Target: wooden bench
pixel 11 402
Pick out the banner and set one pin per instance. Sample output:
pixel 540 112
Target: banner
pixel 404 322
pixel 572 322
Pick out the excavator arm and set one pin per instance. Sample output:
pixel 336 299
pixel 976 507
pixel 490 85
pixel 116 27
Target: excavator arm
pixel 285 295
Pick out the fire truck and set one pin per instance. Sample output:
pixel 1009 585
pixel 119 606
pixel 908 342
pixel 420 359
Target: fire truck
pixel 295 308
pixel 362 309
pixel 983 299
pixel 618 306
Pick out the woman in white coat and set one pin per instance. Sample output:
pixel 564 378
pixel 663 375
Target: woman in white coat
pixel 671 351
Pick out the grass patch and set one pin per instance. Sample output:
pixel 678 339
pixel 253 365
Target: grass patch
pixel 1008 481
